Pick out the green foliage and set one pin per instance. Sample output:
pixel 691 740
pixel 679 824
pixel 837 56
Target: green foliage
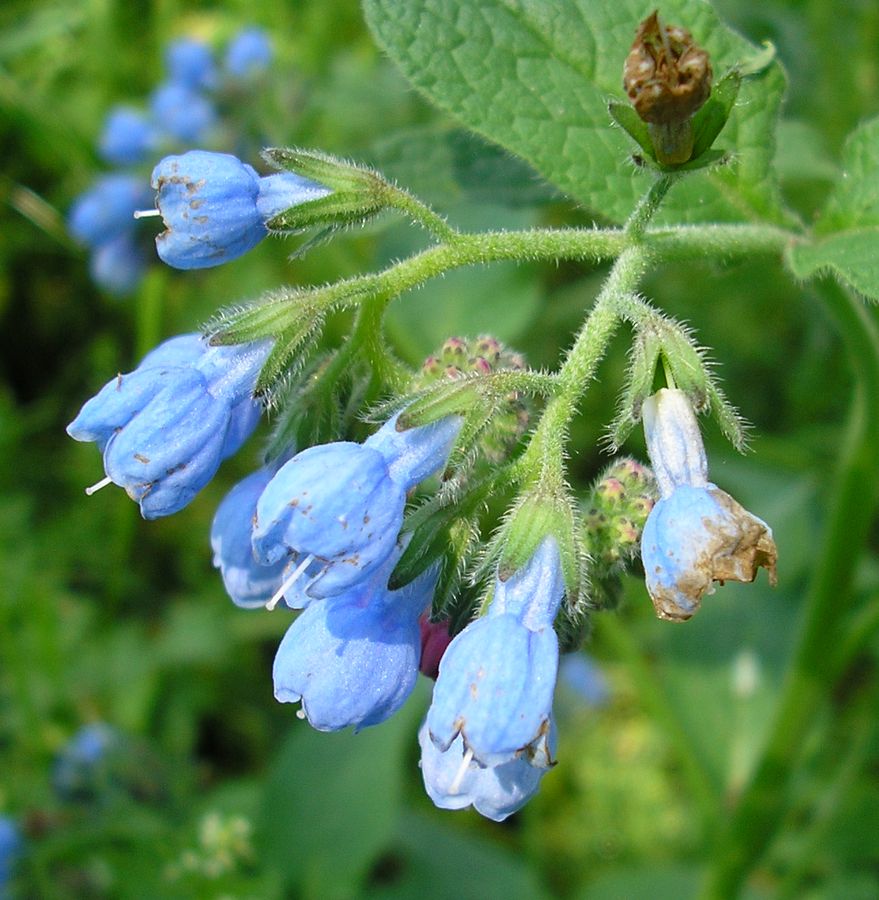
pixel 847 229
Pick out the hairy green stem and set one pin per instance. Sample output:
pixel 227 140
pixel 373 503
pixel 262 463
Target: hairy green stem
pixel 810 676
pixel 592 245
pixel 546 450
pixel 422 214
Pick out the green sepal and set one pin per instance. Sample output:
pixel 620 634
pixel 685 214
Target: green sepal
pixel 709 121
pixel 357 192
pixel 335 210
pixel 336 174
pixel 627 118
pixel 759 62
pixel 539 514
pixel 687 368
pixel 288 355
pixel 638 386
pixel 457 397
pixel 691 373
pixel 263 318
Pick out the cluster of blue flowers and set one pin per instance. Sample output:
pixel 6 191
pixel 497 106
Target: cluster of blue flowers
pixel 321 531
pixel 182 110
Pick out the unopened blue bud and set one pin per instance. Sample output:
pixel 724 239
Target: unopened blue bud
pixel 342 503
pixel 190 63
pixel 128 137
pixel 182 112
pixel 497 677
pixel 454 780
pixel 118 265
pixel 248 54
pixel 208 203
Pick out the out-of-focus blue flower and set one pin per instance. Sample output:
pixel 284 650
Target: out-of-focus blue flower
pixel 342 503
pixel 696 534
pixel 248 54
pixel 352 659
pixel 247 582
pixel 454 780
pixel 182 112
pixel 497 677
pixel 11 849
pixel 583 677
pixel 190 63
pixel 215 207
pixel 164 429
pixel 82 765
pixel 118 264
pixel 106 209
pixel 129 135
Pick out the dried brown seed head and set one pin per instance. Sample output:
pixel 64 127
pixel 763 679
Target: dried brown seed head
pixel 667 76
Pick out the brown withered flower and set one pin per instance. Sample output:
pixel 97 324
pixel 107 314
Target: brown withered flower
pixel 667 76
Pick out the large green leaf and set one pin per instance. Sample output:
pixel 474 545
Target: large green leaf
pixel 536 77
pixel 853 256
pixel 332 801
pixel 848 227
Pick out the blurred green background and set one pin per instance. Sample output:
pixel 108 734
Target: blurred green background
pixel 105 617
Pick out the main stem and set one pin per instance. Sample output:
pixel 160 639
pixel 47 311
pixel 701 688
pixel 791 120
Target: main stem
pixel 811 674
pixel 592 340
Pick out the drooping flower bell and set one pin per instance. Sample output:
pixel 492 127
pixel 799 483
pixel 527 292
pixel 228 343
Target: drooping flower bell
pixel 338 508
pixel 165 428
pixel 696 534
pixel 352 659
pixel 215 207
pixel 454 780
pixel 128 136
pixel 497 677
pixel 248 583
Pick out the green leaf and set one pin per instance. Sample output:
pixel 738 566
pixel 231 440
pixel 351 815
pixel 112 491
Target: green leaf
pixel 445 165
pixel 536 78
pixel 855 199
pixel 440 862
pixel 853 256
pixel 332 802
pixel 847 229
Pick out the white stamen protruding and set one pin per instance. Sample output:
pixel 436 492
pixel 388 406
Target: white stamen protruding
pixel 146 213
pixel 98 485
pixel 300 713
pixel 455 786
pixel 279 593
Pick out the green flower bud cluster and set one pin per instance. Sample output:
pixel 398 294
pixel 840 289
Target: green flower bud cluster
pixel 462 357
pixel 617 508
